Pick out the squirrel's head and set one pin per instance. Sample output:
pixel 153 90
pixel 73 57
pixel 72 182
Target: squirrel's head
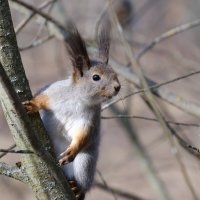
pixel 94 79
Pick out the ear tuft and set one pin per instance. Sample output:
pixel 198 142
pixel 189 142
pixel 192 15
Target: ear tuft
pixel 103 39
pixel 77 50
pixel 79 65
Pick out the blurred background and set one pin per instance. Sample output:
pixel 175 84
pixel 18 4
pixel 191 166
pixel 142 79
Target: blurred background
pixel 131 149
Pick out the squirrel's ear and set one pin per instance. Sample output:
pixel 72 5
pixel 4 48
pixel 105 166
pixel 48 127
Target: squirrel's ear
pixel 77 51
pixel 103 40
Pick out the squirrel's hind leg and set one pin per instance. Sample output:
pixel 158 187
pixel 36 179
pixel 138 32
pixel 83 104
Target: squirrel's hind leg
pixel 84 166
pixel 77 192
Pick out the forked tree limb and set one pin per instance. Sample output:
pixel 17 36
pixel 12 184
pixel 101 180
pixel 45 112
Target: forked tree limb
pixel 10 148
pixel 44 177
pixel 12 172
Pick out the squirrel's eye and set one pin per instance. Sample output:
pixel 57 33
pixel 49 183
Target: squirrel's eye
pixel 96 77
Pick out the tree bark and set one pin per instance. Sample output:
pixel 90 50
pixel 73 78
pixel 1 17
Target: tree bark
pixel 39 169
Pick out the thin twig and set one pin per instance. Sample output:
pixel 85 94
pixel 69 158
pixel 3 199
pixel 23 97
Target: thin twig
pixel 50 19
pixel 10 148
pixel 109 189
pixel 172 32
pixel 154 86
pixel 144 10
pixel 191 149
pixel 143 155
pixel 16 151
pixel 25 21
pixel 37 43
pixel 119 192
pixel 154 106
pixel 163 93
pixel 45 22
pixel 150 119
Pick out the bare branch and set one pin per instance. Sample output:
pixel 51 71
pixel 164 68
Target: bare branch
pixel 59 30
pixel 11 171
pixel 163 93
pixel 118 192
pixel 150 119
pixel 26 138
pixel 37 43
pixel 25 21
pixel 16 151
pixel 168 35
pixel 106 185
pixel 45 177
pixel 156 110
pixel 10 148
pixel 168 82
pixel 191 149
pixel 177 101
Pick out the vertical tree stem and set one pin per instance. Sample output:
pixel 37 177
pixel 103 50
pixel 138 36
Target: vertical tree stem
pixel 45 179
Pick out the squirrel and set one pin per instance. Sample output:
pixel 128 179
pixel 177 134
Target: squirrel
pixel 71 109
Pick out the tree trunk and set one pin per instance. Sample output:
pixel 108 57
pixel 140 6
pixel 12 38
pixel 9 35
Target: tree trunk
pixel 39 170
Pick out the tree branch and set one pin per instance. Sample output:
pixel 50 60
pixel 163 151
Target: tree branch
pixel 10 148
pixel 119 192
pixel 150 119
pixel 59 30
pixel 154 107
pixel 25 21
pixel 23 135
pixel 106 185
pixel 36 43
pixel 163 93
pixel 172 32
pixel 45 178
pixel 16 151
pixel 11 171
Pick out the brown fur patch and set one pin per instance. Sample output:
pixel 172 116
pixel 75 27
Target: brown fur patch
pixel 99 70
pixel 80 139
pixel 74 76
pixel 104 93
pixel 78 143
pixel 42 101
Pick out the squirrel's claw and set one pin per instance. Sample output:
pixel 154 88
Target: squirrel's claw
pixel 67 156
pixel 78 194
pixel 30 106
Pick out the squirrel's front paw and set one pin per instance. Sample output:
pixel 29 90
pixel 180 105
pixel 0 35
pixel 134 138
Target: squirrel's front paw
pixel 30 106
pixel 67 156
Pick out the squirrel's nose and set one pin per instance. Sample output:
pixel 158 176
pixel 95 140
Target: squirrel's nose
pixel 117 88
